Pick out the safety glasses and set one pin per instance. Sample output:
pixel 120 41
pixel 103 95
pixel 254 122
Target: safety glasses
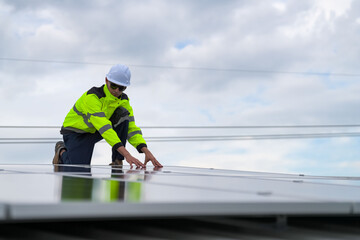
pixel 115 86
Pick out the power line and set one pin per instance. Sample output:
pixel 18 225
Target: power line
pixel 186 68
pixel 253 137
pixel 54 61
pixel 215 127
pixel 199 138
pixel 28 139
pixel 260 136
pixel 30 127
pixel 261 126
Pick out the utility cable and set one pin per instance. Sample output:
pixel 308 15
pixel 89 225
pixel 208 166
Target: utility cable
pixel 215 127
pixel 253 137
pixel 185 68
pixel 199 138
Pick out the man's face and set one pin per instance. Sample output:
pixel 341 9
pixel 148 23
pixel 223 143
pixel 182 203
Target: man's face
pixel 114 89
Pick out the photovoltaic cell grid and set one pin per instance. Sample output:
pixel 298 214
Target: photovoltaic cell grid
pixel 35 192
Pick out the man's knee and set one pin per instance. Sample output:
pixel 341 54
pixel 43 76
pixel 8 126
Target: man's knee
pixel 120 115
pixel 79 148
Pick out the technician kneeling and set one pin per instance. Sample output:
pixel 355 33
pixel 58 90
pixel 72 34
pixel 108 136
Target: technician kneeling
pixel 102 113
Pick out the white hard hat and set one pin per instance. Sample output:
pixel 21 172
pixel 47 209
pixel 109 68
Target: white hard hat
pixel 119 74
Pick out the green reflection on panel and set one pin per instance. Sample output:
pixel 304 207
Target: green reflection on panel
pixel 99 190
pixel 133 191
pixel 76 189
pixel 114 190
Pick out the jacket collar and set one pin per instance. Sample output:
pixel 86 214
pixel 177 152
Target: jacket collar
pixel 109 95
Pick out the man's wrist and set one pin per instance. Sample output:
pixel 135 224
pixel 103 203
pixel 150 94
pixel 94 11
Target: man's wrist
pixel 144 149
pixel 122 150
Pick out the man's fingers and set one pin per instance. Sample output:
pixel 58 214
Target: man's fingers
pixel 136 162
pixel 153 161
pixel 156 163
pixel 139 164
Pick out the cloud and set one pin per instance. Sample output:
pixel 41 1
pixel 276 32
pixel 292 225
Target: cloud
pixel 230 63
pixel 248 156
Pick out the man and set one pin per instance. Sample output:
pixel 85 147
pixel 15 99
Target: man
pixel 103 113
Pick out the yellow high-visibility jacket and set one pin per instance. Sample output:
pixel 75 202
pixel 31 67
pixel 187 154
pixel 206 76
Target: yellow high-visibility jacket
pixel 92 112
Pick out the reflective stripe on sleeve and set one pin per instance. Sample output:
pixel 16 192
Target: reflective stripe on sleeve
pixel 134 133
pixel 104 128
pixel 86 120
pixel 122 119
pixel 87 117
pixel 98 114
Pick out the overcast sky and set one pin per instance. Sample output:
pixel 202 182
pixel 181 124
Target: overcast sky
pixel 193 63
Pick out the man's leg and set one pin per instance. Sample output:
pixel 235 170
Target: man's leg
pixel 79 147
pixel 122 132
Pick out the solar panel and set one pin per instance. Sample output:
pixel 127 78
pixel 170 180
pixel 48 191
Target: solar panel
pixel 30 192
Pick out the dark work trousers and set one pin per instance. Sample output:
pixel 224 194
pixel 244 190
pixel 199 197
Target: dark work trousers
pixel 80 146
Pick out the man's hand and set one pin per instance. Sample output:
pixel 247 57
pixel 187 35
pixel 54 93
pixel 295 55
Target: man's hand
pixel 130 159
pixel 150 157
